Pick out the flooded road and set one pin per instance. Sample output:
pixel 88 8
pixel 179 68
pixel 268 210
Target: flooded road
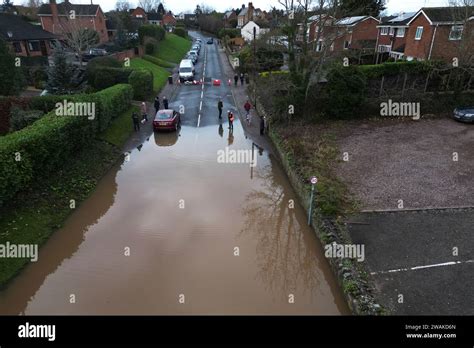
pixel 174 231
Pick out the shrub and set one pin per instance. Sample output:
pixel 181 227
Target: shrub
pixel 142 83
pixel 180 32
pixel 150 48
pixel 12 80
pixel 107 77
pixel 19 118
pixel 112 102
pixel 231 33
pixel 344 93
pixel 158 61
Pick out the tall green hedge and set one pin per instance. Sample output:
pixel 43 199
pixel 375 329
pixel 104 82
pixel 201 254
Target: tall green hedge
pixel 150 30
pixel 46 144
pixel 142 82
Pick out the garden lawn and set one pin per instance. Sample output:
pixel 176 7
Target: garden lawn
pixel 172 48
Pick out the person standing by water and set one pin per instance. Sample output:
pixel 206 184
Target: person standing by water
pixel 157 104
pixel 220 105
pixel 144 112
pixel 241 79
pixel 262 125
pixel 247 107
pixel 230 117
pixel 136 122
pixel 165 103
pixel 236 79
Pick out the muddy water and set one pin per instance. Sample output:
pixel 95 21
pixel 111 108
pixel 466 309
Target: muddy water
pixel 182 214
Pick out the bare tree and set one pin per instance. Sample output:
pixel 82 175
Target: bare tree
pixel 78 38
pixel 33 3
pixel 122 5
pixel 149 5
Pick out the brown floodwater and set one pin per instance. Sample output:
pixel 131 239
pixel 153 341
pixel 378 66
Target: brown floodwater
pixel 181 215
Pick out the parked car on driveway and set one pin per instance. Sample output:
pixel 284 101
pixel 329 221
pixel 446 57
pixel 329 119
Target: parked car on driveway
pixel 464 114
pixel 167 119
pixel 92 53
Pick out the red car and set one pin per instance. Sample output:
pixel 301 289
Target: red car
pixel 167 120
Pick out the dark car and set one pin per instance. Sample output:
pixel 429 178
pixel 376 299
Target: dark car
pixel 464 114
pixel 167 120
pixel 93 53
pixel 210 41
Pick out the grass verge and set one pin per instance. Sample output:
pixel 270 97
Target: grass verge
pixel 120 128
pixel 35 214
pixel 172 48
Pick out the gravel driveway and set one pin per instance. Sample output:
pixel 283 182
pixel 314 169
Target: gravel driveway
pixel 394 160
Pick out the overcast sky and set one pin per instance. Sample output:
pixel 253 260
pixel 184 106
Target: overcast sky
pixel 177 6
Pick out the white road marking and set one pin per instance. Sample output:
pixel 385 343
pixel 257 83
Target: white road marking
pixel 202 92
pixel 199 120
pixel 200 105
pixel 451 263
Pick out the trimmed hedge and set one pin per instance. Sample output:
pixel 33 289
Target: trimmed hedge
pixel 158 61
pixel 46 144
pixel 142 83
pixel 395 68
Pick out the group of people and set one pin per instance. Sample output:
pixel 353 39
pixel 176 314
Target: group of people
pixel 242 78
pixel 248 117
pixel 144 111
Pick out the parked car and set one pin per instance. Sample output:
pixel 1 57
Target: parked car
pixel 92 53
pixel 464 114
pixel 210 41
pixel 192 58
pixel 186 70
pixel 194 55
pixel 197 48
pixel 167 120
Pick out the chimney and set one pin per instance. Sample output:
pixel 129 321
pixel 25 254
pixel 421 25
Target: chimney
pixel 54 14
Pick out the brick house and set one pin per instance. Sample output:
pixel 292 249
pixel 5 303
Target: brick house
pixel 392 34
pixel 138 15
pixel 155 18
pixel 56 18
pixel 319 30
pixel 354 33
pixel 440 33
pixel 26 40
pixel 245 15
pixel 229 16
pixel 169 21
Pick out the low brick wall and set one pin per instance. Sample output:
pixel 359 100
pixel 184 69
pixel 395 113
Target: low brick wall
pixel 121 56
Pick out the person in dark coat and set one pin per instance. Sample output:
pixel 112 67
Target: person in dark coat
pixel 236 79
pixel 136 122
pixel 241 79
pixel 220 105
pixel 165 103
pixel 157 104
pixel 262 125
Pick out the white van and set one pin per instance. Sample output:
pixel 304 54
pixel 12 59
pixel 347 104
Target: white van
pixel 186 70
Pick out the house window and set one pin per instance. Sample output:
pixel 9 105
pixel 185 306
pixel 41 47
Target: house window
pixel 384 31
pixel 346 45
pixel 17 47
pixel 392 31
pixel 34 46
pixel 419 33
pixel 401 32
pixel 384 48
pixel 456 32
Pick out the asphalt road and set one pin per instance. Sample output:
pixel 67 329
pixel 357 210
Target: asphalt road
pixel 174 230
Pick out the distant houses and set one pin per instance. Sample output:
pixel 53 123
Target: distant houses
pixel 26 40
pixel 247 30
pixel 62 18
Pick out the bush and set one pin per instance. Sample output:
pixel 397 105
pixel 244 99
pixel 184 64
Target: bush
pixel 142 83
pixel 150 48
pixel 231 33
pixel 181 32
pixel 104 77
pixel 19 118
pixel 344 93
pixel 45 145
pixel 12 80
pixel 149 30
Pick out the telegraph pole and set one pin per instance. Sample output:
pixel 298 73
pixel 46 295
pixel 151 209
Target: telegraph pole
pixel 255 68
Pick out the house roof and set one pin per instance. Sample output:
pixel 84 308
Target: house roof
pixel 401 20
pixel 154 16
pixel 13 28
pixel 351 21
pixel 445 15
pixel 244 11
pixel 65 7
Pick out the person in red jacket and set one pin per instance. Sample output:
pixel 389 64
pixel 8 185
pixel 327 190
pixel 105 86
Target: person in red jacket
pixel 247 107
